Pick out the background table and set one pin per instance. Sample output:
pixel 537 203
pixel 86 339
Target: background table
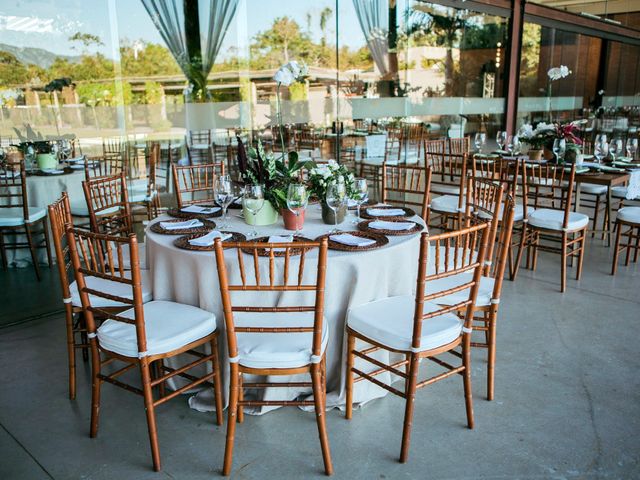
pixel 353 278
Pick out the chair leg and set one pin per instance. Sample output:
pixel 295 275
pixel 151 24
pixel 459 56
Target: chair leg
pixel 536 242
pixel 231 418
pixel 616 248
pixel 409 405
pixel 3 252
pixel 491 353
pixel 516 265
pixel 217 382
pixel 637 247
pixel 583 239
pixel 563 263
pixel 32 249
pixel 47 245
pixel 627 256
pixel 595 216
pixel 240 399
pixel 71 351
pixel 319 401
pixel 351 343
pixel 466 380
pixel 151 414
pixel 96 384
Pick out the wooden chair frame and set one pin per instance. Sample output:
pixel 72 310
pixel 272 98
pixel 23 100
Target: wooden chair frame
pixel 407 180
pixel 93 255
pixel 194 179
pixel 627 239
pixel 316 370
pixel 464 243
pixel 104 194
pixel 151 203
pixel 459 146
pixel 14 195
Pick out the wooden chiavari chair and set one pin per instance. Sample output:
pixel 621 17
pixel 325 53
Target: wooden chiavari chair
pixel 114 148
pixel 200 147
pixel 448 177
pixel 407 185
pixel 143 335
pixel 194 184
pixel 459 146
pixel 549 192
pixel 627 236
pixel 305 139
pixel 17 217
pixel 60 216
pixel 252 329
pixel 371 166
pixel 421 328
pixel 143 190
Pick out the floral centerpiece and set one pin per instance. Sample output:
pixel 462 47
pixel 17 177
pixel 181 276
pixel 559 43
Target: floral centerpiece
pixel 567 133
pixel 554 74
pixel 536 137
pixel 320 177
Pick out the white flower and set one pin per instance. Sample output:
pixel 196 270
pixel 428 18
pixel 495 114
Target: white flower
pixel 556 73
pixel 284 77
pixel 290 72
pixel 545 127
pixel 526 131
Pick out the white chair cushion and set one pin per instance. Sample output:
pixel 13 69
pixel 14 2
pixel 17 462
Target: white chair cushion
pixel 553 219
pixel 445 189
pixel 485 291
pixel 138 197
pixel 621 192
pixel 378 161
pixel 79 209
pixel 390 322
pixel 518 212
pixel 446 203
pixel 168 326
pixel 629 214
pixel 276 350
pixel 114 288
pixel 593 189
pixel 14 217
pixel 126 257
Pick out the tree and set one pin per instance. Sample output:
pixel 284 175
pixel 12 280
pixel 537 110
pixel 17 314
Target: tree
pixel 284 37
pixel 86 39
pixel 150 60
pixel 12 70
pixel 325 15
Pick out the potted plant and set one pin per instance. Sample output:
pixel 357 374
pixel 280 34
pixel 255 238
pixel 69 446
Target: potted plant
pixel 320 177
pixel 536 138
pixel 568 132
pixel 34 143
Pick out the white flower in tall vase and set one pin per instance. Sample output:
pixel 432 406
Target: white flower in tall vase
pixel 555 73
pixel 286 75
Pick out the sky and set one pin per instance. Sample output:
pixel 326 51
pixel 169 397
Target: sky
pixel 49 23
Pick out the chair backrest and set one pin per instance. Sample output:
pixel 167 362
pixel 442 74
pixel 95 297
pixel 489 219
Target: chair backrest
pixel 108 205
pixel 104 166
pixel 447 254
pixel 446 168
pixel 280 263
pixel 114 147
pixel 548 186
pixel 496 169
pixel 459 145
pixel 13 185
pixel 497 261
pixel 194 183
pixel 199 137
pixel 60 217
pixel 305 138
pixel 393 145
pixel 407 184
pixel 95 255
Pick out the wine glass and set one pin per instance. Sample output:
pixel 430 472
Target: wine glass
pixel 297 200
pixel 601 150
pixel 632 147
pixel 501 139
pixel 601 137
pixel 31 157
pixel 559 147
pixel 513 145
pixel 253 202
pixel 223 192
pixel 361 195
pixel 479 140
pixel 615 148
pixel 335 197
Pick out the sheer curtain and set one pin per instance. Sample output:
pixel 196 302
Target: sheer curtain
pixel 215 18
pixel 373 16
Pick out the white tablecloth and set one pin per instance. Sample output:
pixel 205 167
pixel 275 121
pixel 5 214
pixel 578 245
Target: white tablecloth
pixel 190 277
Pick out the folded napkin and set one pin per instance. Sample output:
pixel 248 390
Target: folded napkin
pixel 398 226
pixel 606 168
pixel 280 239
pixel 352 240
pixel 578 169
pixel 194 223
pixel 75 159
pixel 199 209
pixel 351 203
pixel 207 240
pixel 385 212
pixel 52 171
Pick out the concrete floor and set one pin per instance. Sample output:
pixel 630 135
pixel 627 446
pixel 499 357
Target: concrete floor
pixel 567 403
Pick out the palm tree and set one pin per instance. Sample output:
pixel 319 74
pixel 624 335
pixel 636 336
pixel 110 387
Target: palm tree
pixel 325 15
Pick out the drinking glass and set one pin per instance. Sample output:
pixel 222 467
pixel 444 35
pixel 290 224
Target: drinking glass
pixel 335 197
pixel 615 148
pixel 31 157
pixel 297 200
pixel 501 139
pixel 479 140
pixel 601 150
pixel 223 192
pixel 559 147
pixel 361 195
pixel 632 147
pixel 601 137
pixel 254 201
pixel 513 145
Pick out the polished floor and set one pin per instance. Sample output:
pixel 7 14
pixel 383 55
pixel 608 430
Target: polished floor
pixel 567 401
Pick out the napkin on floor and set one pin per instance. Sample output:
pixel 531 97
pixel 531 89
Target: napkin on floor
pixel 383 225
pixel 207 240
pixel 194 223
pixel 352 240
pixel 199 209
pixel 385 212
pixel 280 239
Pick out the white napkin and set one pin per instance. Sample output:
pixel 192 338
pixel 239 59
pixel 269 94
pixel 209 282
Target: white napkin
pixel 382 225
pixel 76 159
pixel 207 240
pixel 52 171
pixel 194 223
pixel 352 240
pixel 280 239
pixel 633 190
pixel 351 202
pixel 385 212
pixel 199 209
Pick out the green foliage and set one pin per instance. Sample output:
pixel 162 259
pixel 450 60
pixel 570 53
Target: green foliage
pixel 12 71
pixel 153 93
pixel 103 94
pixel 245 89
pixel 90 67
pixel 298 91
pixel 86 39
pixel 152 59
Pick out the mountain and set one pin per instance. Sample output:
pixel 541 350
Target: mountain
pixel 38 56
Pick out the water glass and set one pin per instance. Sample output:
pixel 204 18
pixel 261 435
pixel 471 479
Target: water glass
pixel 479 140
pixel 361 195
pixel 297 200
pixel 501 139
pixel 336 196
pixel 632 147
pixel 253 202
pixel 615 148
pixel 559 147
pixel 601 150
pixel 223 191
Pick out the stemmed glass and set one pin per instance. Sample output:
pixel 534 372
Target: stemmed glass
pixel 632 147
pixel 513 145
pixel 501 139
pixel 31 157
pixel 335 198
pixel 254 201
pixel 479 140
pixel 361 195
pixel 297 200
pixel 601 150
pixel 601 137
pixel 223 191
pixel 559 147
pixel 615 148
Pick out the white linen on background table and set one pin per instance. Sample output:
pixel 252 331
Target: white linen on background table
pixel 353 278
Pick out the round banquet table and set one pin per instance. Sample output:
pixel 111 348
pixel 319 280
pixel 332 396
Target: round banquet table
pixel 353 278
